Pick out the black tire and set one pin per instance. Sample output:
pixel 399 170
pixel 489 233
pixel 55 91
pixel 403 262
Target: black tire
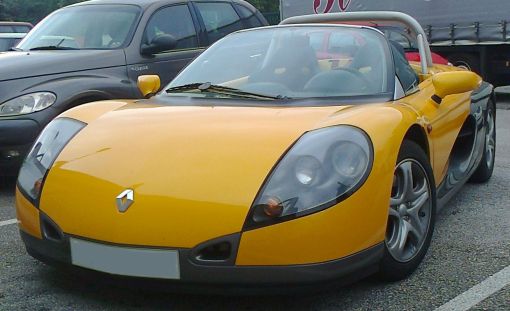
pixel 484 170
pixel 391 269
pixel 468 61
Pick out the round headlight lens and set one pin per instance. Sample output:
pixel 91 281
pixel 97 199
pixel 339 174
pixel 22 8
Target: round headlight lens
pixel 307 170
pixel 27 103
pixel 349 160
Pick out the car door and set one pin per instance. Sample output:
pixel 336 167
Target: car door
pixel 176 20
pixel 444 120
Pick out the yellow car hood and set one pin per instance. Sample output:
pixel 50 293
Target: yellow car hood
pixel 195 170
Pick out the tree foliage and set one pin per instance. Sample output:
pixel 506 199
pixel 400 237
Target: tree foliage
pixel 30 10
pixel 266 5
pixel 35 10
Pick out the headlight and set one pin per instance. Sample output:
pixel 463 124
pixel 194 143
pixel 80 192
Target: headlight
pixel 27 103
pixel 44 152
pixel 323 167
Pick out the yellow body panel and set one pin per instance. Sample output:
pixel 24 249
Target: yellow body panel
pixel 197 169
pixel 28 216
pixel 455 82
pixel 443 120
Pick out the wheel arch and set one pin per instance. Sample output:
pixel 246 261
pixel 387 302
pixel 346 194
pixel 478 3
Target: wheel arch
pixel 417 134
pixel 85 97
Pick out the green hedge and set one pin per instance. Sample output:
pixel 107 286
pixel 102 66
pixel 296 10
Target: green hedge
pixel 272 17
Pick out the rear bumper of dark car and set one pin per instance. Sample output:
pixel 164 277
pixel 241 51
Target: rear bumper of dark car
pixel 344 270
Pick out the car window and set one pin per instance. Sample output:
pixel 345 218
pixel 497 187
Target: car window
pixel 175 21
pixel 6 44
pixel 400 36
pixel 21 29
pixel 219 18
pixel 340 43
pixel 249 17
pixel 281 62
pixel 405 73
pixel 316 40
pixel 85 27
pixel 6 29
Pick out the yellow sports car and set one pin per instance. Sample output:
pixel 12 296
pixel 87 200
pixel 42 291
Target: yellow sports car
pixel 264 162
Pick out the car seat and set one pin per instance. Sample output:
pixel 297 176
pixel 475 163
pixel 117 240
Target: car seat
pixel 292 63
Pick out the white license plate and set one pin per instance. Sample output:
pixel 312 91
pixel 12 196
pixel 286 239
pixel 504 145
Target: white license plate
pixel 128 261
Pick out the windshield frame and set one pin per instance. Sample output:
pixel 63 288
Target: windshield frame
pixel 304 101
pixel 127 41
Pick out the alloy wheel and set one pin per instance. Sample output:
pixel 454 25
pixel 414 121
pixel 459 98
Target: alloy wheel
pixel 410 211
pixel 490 139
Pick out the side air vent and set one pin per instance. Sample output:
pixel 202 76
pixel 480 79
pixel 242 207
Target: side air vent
pixel 50 230
pixel 219 252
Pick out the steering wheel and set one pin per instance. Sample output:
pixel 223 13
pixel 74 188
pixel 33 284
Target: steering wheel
pixel 367 83
pixel 114 44
pixel 338 81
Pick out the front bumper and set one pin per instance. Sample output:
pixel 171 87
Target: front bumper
pixel 16 138
pixel 348 269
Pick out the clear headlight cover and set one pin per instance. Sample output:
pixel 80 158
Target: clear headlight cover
pixel 323 167
pixel 42 155
pixel 27 103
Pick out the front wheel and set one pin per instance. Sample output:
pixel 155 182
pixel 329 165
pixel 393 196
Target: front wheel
pixel 411 215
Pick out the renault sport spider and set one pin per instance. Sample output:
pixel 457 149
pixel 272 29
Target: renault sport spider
pixel 263 163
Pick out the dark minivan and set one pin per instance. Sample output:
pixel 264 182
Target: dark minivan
pixel 96 50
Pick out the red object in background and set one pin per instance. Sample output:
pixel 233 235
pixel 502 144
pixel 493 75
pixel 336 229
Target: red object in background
pixel 436 58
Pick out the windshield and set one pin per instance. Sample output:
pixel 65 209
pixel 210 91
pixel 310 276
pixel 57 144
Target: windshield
pixel 84 27
pixel 295 62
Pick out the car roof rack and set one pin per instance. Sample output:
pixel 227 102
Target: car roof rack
pixel 375 17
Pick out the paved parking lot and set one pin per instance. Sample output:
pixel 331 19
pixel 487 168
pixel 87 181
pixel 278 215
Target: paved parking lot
pixel 471 243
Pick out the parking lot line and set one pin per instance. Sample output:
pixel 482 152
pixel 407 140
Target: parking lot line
pixel 479 292
pixel 8 222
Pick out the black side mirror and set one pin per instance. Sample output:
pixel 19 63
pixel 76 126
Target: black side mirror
pixel 159 44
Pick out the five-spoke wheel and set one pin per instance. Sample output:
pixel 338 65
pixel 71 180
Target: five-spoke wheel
pixel 410 210
pixel 411 213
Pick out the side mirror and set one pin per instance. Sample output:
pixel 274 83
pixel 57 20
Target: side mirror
pixel 148 85
pixel 454 82
pixel 159 44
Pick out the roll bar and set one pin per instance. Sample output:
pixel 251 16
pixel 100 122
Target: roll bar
pixel 375 17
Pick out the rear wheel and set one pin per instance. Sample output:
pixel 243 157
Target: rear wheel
pixel 484 171
pixel 411 214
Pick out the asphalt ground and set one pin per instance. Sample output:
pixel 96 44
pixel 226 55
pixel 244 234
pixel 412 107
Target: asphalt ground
pixel 470 244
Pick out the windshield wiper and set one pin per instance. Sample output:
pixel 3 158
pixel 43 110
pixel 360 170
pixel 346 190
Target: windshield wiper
pixel 52 48
pixel 16 49
pixel 214 88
